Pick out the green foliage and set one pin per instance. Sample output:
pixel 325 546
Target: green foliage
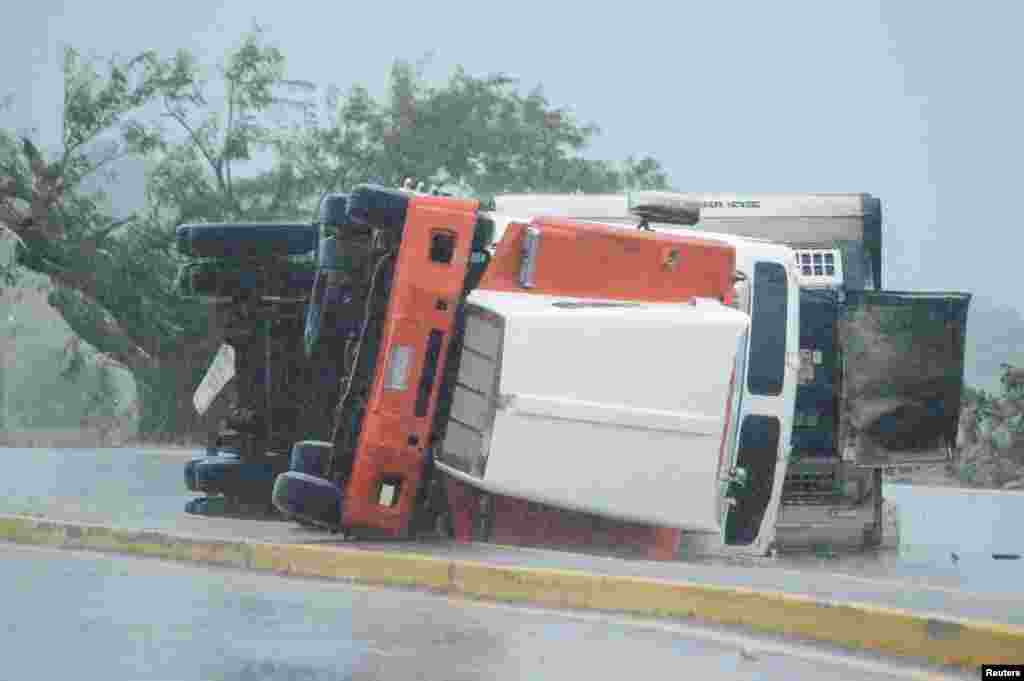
pixel 15 178
pixel 473 134
pixel 1002 438
pixel 968 472
pixel 986 403
pixel 111 277
pixel 1015 392
pixel 195 178
pixel 114 279
pixel 972 394
pixel 94 103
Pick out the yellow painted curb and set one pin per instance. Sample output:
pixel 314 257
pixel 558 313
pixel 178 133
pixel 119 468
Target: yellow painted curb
pixel 373 567
pixel 940 640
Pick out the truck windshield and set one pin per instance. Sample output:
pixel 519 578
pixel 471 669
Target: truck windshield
pixel 767 368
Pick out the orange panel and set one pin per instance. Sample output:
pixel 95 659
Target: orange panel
pixel 582 260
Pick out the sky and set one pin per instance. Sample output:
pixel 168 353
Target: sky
pixel 915 102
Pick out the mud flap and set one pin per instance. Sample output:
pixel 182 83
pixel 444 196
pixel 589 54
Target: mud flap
pixel 903 375
pixel 220 373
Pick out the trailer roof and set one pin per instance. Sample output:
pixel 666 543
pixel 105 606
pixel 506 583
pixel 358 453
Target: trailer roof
pixel 712 204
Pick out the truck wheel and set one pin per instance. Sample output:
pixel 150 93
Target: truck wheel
pixel 207 506
pixel 190 474
pixel 234 477
pixel 214 280
pixel 212 453
pixel 311 457
pixel 246 240
pixel 309 500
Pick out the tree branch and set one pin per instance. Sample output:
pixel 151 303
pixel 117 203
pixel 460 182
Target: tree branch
pixel 106 161
pixel 91 322
pixel 100 235
pixel 11 218
pixel 214 164
pixel 225 155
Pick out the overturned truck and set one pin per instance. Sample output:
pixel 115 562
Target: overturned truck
pixel 566 379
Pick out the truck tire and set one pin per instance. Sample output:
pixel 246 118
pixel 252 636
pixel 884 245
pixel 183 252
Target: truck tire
pixel 208 506
pixel 311 457
pixel 190 473
pixel 309 500
pixel 212 280
pixel 234 477
pixel 246 240
pixel 211 454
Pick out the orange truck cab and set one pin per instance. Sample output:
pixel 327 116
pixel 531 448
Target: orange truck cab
pixel 411 260
pixel 409 257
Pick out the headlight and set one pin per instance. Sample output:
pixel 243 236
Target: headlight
pixel 397 376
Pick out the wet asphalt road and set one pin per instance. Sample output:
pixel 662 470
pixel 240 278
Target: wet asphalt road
pixel 84 616
pixel 144 488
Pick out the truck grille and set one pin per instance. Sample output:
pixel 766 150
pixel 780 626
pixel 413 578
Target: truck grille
pixel 810 487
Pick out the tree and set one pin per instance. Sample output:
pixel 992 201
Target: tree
pixel 114 278
pixel 477 134
pixel 196 178
pixel 63 232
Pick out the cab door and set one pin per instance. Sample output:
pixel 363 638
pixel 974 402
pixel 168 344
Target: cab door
pixel 903 375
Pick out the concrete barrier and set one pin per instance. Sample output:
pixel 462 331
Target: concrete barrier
pixel 936 639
